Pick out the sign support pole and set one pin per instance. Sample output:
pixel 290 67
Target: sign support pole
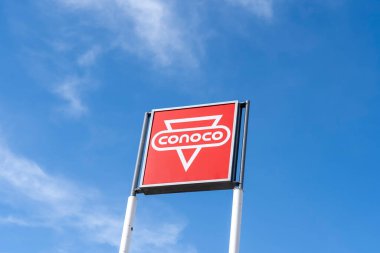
pixel 128 225
pixel 132 199
pixel 237 202
pixel 237 206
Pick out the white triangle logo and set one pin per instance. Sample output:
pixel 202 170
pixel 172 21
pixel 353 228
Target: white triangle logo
pixel 186 163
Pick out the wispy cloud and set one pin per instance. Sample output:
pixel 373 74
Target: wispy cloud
pixel 155 29
pixel 51 199
pixel 160 237
pixel 149 28
pixel 156 24
pixel 70 91
pixel 11 220
pixel 161 32
pixel 261 8
pixel 89 57
pixel 54 202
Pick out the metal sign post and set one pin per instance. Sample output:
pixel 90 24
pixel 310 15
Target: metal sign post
pixel 192 148
pixel 237 202
pixel 132 199
pixel 237 206
pixel 128 225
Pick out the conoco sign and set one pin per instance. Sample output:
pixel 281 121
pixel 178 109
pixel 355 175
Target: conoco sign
pixel 191 149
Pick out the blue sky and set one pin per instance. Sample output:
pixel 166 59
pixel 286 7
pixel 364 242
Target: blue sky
pixel 78 75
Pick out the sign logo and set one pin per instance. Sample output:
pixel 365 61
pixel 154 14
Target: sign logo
pixel 191 138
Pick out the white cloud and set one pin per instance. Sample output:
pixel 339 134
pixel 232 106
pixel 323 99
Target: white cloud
pixel 261 8
pixel 10 220
pixel 70 91
pixel 89 57
pixel 160 237
pixel 24 179
pixel 157 26
pixel 155 29
pixel 158 31
pixel 149 28
pixel 53 202
pixel 83 3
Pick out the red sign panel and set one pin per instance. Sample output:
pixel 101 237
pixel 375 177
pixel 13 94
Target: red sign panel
pixel 190 148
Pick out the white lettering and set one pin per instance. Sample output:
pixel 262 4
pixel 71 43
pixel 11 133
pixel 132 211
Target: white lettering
pixel 173 139
pixel 217 135
pixel 184 136
pixel 195 137
pixel 161 142
pixel 205 138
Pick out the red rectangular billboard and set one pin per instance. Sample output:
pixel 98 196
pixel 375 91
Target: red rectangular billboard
pixel 190 149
